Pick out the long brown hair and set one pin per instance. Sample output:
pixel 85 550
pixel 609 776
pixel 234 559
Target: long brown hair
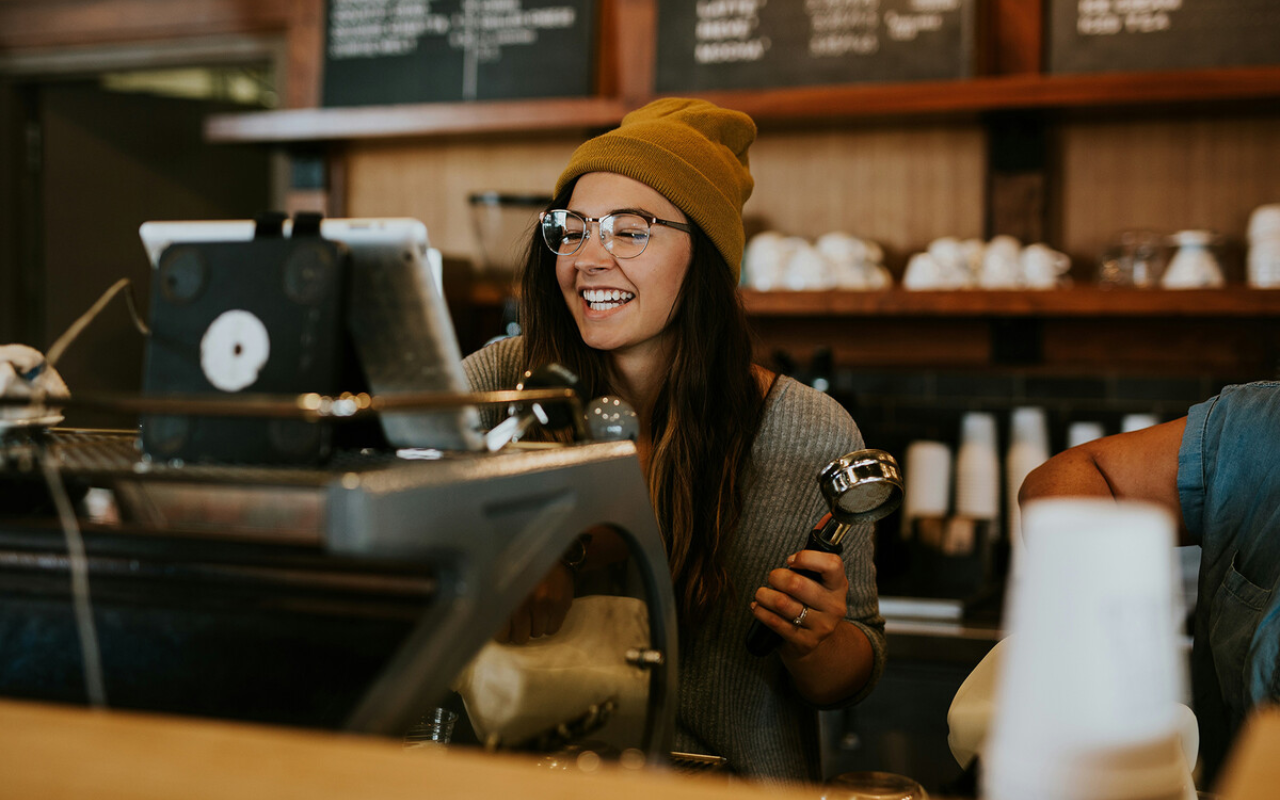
pixel 705 419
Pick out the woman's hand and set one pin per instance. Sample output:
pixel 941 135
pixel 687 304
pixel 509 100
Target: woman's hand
pixel 543 611
pixel 819 605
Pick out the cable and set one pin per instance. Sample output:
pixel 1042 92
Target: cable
pixel 78 565
pixel 77 561
pixel 68 336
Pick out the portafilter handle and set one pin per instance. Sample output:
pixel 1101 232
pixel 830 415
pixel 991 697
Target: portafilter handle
pixel 859 487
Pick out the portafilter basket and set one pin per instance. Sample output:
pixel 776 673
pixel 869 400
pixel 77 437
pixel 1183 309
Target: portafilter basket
pixel 862 486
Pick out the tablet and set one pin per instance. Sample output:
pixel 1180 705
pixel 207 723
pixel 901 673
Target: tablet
pixel 394 311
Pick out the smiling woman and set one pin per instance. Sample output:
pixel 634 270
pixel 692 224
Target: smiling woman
pixel 630 284
pixel 623 303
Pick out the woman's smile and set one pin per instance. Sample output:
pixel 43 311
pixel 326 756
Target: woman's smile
pixel 606 300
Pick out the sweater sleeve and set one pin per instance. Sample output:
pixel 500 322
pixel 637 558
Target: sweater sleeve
pixel 494 368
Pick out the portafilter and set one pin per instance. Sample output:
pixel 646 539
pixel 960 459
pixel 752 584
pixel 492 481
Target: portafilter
pixel 859 487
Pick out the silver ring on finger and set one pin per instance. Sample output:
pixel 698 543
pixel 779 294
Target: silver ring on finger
pixel 799 620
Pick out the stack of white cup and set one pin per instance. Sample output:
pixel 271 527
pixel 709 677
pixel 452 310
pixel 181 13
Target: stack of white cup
pixel 926 499
pixel 1264 247
pixel 927 492
pixel 1087 704
pixel 1085 431
pixel 1028 449
pixel 1136 422
pixel 978 468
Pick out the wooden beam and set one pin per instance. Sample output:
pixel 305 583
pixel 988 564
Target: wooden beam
pixel 315 124
pixel 1016 36
pixel 635 44
pixel 42 24
pixel 304 80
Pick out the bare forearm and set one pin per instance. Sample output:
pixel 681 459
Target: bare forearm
pixel 836 669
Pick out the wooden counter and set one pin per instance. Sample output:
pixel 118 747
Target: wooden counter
pixel 55 752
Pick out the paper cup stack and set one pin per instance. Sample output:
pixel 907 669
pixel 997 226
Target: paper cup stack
pixel 1028 449
pixel 1264 247
pixel 928 480
pixel 1079 433
pixel 1136 422
pixel 978 468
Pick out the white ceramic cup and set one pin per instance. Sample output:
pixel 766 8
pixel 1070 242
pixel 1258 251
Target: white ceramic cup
pixel 1194 265
pixel 1263 262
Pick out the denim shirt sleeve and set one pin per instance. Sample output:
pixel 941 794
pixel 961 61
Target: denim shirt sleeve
pixel 1191 477
pixel 1229 461
pixel 1229 489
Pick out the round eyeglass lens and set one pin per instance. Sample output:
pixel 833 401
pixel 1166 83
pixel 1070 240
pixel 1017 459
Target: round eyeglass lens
pixel 623 235
pixel 627 234
pixel 563 231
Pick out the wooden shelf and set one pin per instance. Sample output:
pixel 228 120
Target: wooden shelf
pixel 1004 92
pixel 807 104
pixel 1084 301
pixel 420 119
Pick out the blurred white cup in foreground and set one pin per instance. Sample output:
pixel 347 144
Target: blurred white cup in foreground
pixel 1089 692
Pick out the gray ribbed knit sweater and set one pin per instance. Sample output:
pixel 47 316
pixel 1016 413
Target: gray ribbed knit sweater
pixel 731 703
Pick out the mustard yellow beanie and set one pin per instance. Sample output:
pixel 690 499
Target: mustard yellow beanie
pixel 692 152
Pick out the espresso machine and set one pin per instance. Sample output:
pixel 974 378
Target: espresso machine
pixel 345 585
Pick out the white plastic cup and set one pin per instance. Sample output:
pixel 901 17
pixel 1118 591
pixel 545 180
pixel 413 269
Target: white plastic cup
pixel 927 476
pixel 1028 449
pixel 1087 705
pixel 978 468
pixel 1136 422
pixel 1079 433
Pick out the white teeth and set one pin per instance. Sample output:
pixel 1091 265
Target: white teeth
pixel 605 299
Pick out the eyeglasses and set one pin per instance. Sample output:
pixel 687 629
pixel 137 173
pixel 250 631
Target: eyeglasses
pixel 624 235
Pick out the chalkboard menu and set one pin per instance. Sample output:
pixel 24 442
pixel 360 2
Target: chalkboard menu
pixel 756 44
pixel 421 51
pixel 1122 35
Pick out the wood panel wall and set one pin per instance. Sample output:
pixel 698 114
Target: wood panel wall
pixel 1187 171
pixel 901 187
pixel 432 180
